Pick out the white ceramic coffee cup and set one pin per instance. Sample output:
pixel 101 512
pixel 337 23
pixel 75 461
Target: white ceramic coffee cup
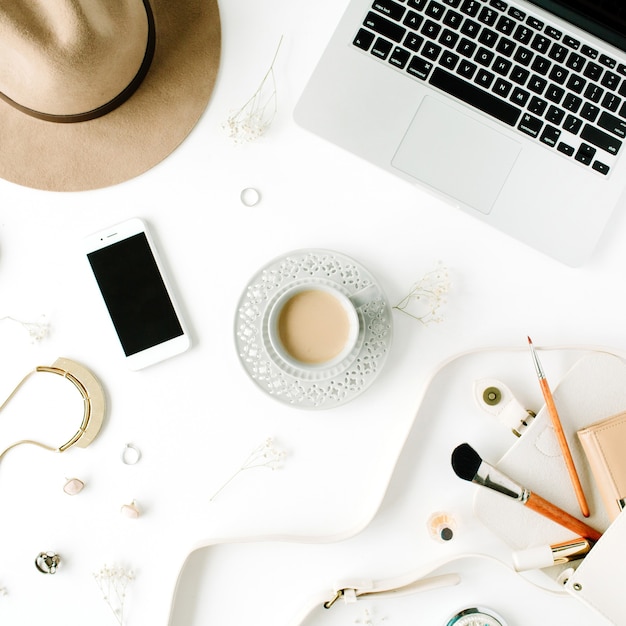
pixel 313 326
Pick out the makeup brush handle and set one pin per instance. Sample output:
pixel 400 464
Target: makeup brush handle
pixel 553 512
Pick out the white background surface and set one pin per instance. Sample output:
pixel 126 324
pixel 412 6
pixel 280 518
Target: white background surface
pixel 196 417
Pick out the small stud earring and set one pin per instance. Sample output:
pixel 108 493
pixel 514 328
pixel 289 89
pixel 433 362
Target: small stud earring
pixel 73 486
pixel 131 511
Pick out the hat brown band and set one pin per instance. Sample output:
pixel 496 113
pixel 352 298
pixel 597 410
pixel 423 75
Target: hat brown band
pixel 112 104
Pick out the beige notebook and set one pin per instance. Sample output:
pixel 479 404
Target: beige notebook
pixel 604 444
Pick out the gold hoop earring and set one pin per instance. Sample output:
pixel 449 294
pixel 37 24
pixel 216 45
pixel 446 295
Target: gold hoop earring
pixel 93 401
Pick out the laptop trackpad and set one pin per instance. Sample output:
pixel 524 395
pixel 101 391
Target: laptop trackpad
pixel 456 154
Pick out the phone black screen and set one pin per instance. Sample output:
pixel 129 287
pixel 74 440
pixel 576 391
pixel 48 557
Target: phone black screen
pixel 135 295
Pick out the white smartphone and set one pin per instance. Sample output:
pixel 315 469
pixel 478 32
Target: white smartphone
pixel 136 293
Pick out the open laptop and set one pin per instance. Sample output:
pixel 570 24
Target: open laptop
pixel 512 110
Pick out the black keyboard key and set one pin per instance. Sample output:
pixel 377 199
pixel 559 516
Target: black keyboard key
pixel 571 42
pixel 607 61
pixel 488 16
pixel 558 52
pixel 540 43
pixel 590 52
pixel 470 28
pixel 499 4
pixel 448 38
pixel 502 88
pixel 431 51
pixel 418 5
pixel 530 125
pixel 485 102
pixel 467 69
pixel 610 80
pixel 565 149
pixel 572 103
pixel 517 14
pixel 381 48
pixel 523 34
pixel 576 83
pixel 555 93
pixel 502 66
pixel 484 57
pixel 506 25
pixel 611 102
pixel 585 154
pixel 541 65
pixel 452 19
pixel 519 96
pixel 505 46
pixel 488 37
pixel 590 112
pixel 572 124
pixel 449 59
pixel 555 115
pixel 533 22
pixel 537 84
pixel 431 29
pixel 575 62
pixel 484 78
pixel 593 92
pixel 523 56
pixel 452 3
pixel 364 39
pixel 558 74
pixel 384 27
pixel 593 71
pixel 466 47
pixel 413 42
pixel 389 8
pixel 537 105
pixel 519 75
pixel 550 136
pixel 399 57
pixel 553 32
pixel 612 124
pixel 419 68
pixel 601 139
pixel 413 20
pixel 435 10
pixel 600 167
pixel 470 7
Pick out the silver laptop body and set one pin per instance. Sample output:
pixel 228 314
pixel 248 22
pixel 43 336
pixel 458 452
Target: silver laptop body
pixel 504 109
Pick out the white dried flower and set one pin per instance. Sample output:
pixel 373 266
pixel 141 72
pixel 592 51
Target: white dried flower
pixel 427 296
pixel 3 591
pixel 264 455
pixel 252 120
pixel 113 582
pixel 36 330
pixel 369 619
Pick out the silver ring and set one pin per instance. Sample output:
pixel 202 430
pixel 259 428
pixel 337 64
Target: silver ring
pixel 250 196
pixel 131 454
pixel 47 562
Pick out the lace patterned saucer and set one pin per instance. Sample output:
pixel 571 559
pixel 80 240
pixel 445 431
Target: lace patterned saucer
pixel 321 388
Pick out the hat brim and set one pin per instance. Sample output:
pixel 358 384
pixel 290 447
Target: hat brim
pixel 138 134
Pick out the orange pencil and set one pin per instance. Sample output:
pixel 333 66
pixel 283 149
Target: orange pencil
pixel 560 435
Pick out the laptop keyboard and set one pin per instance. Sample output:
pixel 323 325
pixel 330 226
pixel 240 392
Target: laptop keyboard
pixel 510 65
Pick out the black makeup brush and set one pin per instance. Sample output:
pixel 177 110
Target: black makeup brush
pixel 468 465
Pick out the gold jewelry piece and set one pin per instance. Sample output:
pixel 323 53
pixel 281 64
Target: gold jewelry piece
pixel 47 562
pixel 93 400
pixel 131 511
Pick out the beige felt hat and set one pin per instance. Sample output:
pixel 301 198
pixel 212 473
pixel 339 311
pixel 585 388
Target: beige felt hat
pixel 95 92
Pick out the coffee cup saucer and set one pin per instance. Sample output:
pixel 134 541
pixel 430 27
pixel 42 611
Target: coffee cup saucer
pixel 320 387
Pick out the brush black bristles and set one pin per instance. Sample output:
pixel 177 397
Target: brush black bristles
pixel 465 461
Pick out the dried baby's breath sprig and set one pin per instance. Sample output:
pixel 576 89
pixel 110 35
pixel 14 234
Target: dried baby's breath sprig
pixel 252 120
pixel 264 455
pixel 113 582
pixel 3 591
pixel 427 296
pixel 36 330
pixel 369 619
